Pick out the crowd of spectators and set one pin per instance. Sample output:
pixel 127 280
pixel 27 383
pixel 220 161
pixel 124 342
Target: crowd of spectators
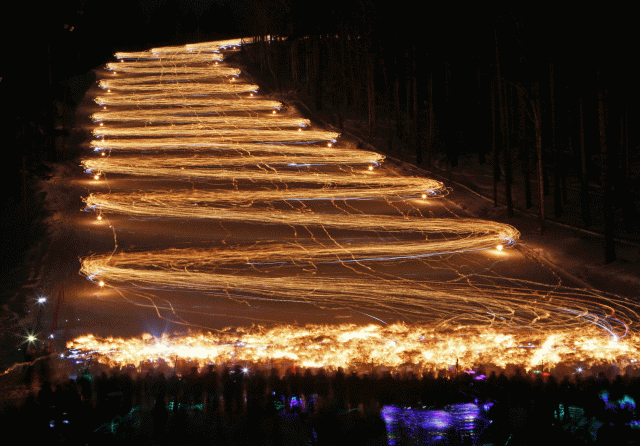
pixel 221 405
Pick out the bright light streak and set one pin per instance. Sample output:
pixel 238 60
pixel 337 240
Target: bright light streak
pixel 177 113
pixel 143 91
pixel 230 169
pixel 192 136
pixel 197 105
pixel 197 123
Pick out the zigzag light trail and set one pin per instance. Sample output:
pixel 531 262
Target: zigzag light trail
pixel 165 116
pixel 266 174
pixel 240 158
pixel 185 89
pixel 203 124
pixel 238 154
pixel 347 228
pixel 155 76
pixel 185 138
pixel 205 105
pixel 175 70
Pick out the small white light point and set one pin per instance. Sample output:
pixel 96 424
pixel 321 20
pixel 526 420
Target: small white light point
pixel 42 300
pixel 370 167
pixel 99 217
pixel 102 154
pixel 101 284
pixel 424 196
pixel 108 91
pixel 101 124
pixel 299 130
pixel 104 108
pixel 499 247
pixel 96 177
pixel 329 145
pixel 274 112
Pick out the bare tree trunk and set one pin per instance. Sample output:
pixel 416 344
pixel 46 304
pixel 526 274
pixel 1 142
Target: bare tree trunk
pixel 506 150
pixel 352 62
pixel 584 179
pixel 557 191
pixel 607 157
pixel 371 93
pixel 415 122
pixel 308 64
pixel 494 146
pixel 628 207
pixel 407 87
pixel 275 77
pixel 294 63
pixel 568 116
pixel 343 70
pixel 333 64
pixel 504 130
pixel 480 124
pixel 450 145
pixel 317 76
pixel 431 121
pixel 537 124
pixel 387 99
pixel 524 150
pixel 396 98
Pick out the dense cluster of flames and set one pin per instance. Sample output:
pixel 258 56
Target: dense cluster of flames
pixel 180 113
pixel 365 347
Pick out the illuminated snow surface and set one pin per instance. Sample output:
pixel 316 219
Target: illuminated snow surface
pixel 209 207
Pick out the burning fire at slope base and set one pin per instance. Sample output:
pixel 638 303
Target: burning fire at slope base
pixel 396 347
